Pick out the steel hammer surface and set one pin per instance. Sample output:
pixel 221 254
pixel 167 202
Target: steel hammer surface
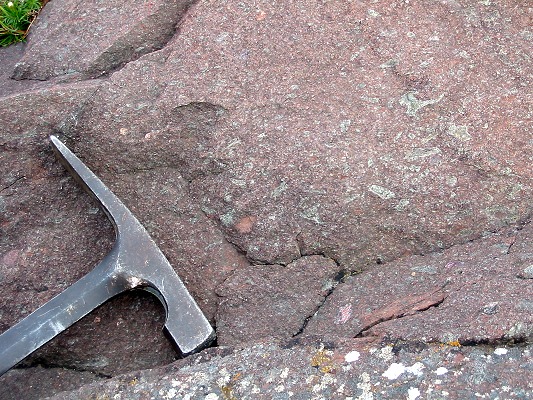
pixel 134 262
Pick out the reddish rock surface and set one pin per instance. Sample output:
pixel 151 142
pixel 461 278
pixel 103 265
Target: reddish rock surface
pixel 472 293
pixel 53 233
pixel 340 169
pixel 266 302
pixel 323 140
pixel 76 39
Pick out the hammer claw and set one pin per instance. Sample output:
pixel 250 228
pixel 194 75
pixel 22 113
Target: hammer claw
pixel 134 262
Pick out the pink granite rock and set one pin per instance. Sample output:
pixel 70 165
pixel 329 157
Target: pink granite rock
pixel 468 294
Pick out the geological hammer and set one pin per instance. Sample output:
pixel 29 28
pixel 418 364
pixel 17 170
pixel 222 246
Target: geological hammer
pixel 135 262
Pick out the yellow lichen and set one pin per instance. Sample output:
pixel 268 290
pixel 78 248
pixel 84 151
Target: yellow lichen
pixel 227 392
pixel 322 361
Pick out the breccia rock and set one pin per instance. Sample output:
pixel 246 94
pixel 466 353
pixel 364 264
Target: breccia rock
pixel 390 141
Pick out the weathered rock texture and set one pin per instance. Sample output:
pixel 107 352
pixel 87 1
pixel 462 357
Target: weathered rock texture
pixel 340 169
pixel 473 293
pixel 320 142
pixel 337 370
pixel 40 382
pixel 265 302
pixel 89 39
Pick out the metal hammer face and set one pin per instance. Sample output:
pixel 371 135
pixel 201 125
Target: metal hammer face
pixel 134 262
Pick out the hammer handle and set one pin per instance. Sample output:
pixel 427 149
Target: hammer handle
pixel 56 315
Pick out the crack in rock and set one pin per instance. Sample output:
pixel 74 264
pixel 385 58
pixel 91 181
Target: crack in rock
pixel 273 301
pixel 337 279
pixel 11 184
pixel 67 366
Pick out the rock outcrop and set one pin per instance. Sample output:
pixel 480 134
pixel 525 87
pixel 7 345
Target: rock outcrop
pixel 345 189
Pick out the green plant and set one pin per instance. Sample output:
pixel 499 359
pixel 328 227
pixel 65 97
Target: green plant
pixel 16 17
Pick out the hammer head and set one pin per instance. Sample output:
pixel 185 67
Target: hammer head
pixel 137 262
